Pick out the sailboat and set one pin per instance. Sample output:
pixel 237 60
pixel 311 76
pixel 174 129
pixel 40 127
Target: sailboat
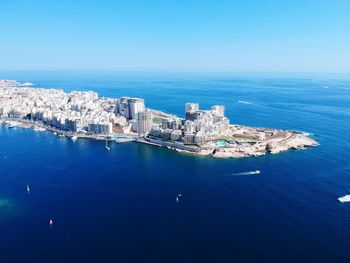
pixel 107 147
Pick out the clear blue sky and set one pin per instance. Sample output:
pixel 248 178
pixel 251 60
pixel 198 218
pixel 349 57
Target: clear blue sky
pixel 182 35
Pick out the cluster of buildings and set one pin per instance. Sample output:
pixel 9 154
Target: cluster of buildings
pixel 134 110
pixel 85 112
pixel 201 132
pixel 76 111
pixel 198 127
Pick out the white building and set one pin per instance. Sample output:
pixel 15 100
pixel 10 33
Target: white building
pixel 219 110
pixel 136 105
pixel 191 107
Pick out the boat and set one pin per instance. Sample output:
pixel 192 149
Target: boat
pixel 28 188
pixel 11 124
pixel 74 138
pixel 344 199
pixel 39 129
pixel 178 198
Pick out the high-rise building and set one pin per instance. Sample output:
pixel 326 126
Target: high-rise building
pixel 144 122
pixel 191 107
pixel 136 105
pixel 122 107
pixel 129 107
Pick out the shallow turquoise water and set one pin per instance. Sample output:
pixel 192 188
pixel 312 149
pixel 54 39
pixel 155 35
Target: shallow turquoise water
pixel 221 143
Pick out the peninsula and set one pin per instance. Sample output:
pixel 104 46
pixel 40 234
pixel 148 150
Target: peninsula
pixel 81 114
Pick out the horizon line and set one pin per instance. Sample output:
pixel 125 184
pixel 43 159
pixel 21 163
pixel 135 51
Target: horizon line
pixel 176 71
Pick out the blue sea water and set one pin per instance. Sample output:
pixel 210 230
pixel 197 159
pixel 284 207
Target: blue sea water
pixel 119 205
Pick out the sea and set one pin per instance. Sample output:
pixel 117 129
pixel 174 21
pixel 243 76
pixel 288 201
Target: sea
pixel 120 205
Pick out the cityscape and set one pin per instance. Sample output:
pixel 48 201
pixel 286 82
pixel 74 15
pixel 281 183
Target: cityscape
pixel 84 114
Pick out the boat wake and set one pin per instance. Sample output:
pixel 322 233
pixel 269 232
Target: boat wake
pixel 248 103
pixel 256 172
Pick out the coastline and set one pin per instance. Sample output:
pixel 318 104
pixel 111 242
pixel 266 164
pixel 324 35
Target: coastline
pixel 85 115
pixel 293 140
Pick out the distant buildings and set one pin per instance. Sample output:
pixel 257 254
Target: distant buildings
pixel 198 127
pixel 76 111
pixel 79 111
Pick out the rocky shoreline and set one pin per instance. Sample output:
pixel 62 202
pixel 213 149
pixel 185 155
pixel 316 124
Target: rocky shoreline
pixel 292 141
pixel 279 141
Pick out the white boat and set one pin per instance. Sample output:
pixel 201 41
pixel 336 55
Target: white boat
pixel 11 124
pixel 74 138
pixel 39 129
pixel 344 199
